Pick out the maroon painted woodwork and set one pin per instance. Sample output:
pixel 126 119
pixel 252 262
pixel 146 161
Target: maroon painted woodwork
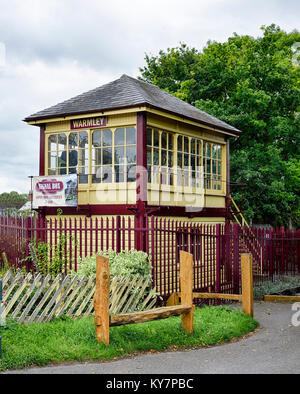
pixel 142 180
pixel 131 209
pixel 42 150
pixel 227 199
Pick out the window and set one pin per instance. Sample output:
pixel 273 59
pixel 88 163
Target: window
pixel 57 154
pixel 114 155
pixel 79 155
pixel 160 156
pixel 102 156
pixel 189 161
pixel 212 156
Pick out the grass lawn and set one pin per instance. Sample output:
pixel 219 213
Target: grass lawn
pixel 65 340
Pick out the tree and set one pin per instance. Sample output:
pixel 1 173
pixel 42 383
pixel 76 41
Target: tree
pixel 12 200
pixel 254 85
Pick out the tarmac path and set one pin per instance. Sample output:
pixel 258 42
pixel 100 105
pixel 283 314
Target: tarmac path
pixel 272 349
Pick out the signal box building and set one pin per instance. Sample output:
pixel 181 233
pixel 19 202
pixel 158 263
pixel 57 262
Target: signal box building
pixel 137 151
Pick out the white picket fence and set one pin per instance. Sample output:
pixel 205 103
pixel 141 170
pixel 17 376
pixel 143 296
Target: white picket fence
pixel 28 298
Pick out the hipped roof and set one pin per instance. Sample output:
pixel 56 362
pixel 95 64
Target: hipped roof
pixel 129 92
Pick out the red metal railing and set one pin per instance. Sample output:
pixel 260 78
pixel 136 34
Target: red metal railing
pixel 216 248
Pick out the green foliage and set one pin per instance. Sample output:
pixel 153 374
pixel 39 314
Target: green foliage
pixel 52 264
pixel 254 85
pixel 126 263
pixel 268 288
pixel 12 200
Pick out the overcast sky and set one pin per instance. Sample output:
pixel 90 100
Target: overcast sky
pixel 52 50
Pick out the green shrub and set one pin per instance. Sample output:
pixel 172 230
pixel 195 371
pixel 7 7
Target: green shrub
pixel 268 287
pixel 126 263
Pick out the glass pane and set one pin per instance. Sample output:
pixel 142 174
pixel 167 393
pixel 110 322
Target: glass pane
pixel 207 181
pixel 214 151
pixel 52 160
pixel 155 157
pixel 164 140
pixel 214 167
pixel 97 138
pixel 83 179
pixel 179 143
pixel 219 168
pixel 186 144
pixel 119 174
pixel 73 140
pixel 62 142
pixel 163 177
pixel 186 174
pixel 170 141
pixel 120 136
pixel 62 171
pixel 219 152
pixel 107 174
pixel 83 140
pixel 170 159
pixel 149 156
pixel 107 137
pixel 208 150
pixel 130 136
pixel 155 174
pixel 52 140
pixel 193 146
pixel 62 159
pixel 119 154
pixel 131 154
pixel 149 137
pixel 96 178
pixel 179 177
pixel 193 162
pixel 199 161
pixel 131 173
pixel 83 157
pixel 73 158
pixel 186 161
pixel 208 168
pixel 107 155
pixel 193 180
pixel 163 157
pixel 155 138
pixel 83 174
pixel 179 160
pixel 97 156
pixel 199 148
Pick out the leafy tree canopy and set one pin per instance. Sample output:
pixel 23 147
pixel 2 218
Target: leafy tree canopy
pixel 12 200
pixel 254 85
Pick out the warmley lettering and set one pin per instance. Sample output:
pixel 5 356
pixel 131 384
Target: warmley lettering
pixel 88 123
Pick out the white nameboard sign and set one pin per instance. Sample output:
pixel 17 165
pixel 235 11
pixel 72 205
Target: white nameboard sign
pixel 54 191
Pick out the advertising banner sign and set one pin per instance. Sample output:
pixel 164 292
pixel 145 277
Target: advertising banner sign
pixel 54 191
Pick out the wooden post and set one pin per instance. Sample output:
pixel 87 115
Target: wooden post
pixel 186 284
pixel 101 299
pixel 247 283
pixel 173 299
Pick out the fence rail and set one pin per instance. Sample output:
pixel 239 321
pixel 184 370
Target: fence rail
pixel 216 249
pixel 29 298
